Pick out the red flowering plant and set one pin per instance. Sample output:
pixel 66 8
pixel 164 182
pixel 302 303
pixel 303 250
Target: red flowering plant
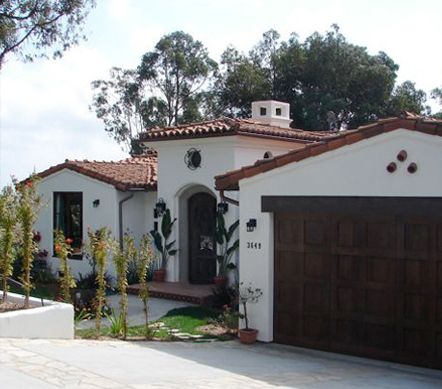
pixel 62 248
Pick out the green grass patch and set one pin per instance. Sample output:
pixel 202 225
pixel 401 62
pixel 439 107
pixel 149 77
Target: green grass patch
pixel 186 319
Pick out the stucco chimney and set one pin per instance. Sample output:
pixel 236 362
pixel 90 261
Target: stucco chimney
pixel 275 113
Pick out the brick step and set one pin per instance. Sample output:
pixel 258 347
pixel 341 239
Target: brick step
pixel 194 294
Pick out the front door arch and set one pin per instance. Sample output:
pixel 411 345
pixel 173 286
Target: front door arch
pixel 202 244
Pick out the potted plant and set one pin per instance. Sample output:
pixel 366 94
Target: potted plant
pixel 223 237
pixel 247 294
pixel 163 246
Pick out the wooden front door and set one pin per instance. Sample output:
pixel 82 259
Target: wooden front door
pixel 202 244
pixel 361 276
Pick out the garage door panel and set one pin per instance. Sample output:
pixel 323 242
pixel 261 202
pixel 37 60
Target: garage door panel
pixel 365 283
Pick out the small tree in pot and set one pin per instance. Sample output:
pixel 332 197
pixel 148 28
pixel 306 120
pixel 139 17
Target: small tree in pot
pixel 247 294
pixel 162 244
pixel 223 237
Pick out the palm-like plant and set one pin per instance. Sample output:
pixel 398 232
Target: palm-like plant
pixel 226 250
pixel 161 240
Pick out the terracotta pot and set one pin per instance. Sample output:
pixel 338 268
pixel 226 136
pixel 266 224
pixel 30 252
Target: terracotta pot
pixel 159 275
pixel 219 280
pixel 248 336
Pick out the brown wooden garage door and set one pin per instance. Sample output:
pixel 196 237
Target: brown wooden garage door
pixel 360 275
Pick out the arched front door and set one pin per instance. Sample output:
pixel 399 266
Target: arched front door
pixel 202 244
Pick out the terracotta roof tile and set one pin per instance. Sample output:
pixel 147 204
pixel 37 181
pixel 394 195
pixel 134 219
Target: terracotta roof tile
pixel 227 126
pixel 138 172
pixel 230 180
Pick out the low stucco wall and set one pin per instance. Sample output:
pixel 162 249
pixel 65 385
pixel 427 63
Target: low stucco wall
pixel 54 320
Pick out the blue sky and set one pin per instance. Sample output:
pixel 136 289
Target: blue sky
pixel 44 115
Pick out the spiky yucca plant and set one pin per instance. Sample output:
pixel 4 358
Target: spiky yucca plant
pixel 122 257
pixel 63 249
pixel 29 205
pixel 100 245
pixel 8 221
pixel 144 260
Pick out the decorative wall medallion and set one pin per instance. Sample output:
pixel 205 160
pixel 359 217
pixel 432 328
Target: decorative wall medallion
pixel 193 159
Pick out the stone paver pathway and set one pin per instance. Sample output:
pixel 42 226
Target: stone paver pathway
pixel 36 364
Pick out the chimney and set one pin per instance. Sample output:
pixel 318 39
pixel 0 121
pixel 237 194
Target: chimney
pixel 274 113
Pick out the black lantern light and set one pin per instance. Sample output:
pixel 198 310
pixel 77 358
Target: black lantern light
pixel 96 203
pixel 160 208
pixel 223 208
pixel 251 225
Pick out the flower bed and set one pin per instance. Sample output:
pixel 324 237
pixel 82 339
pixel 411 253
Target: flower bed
pixel 53 320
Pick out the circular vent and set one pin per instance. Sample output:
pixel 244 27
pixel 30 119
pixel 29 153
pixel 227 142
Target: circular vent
pixel 193 159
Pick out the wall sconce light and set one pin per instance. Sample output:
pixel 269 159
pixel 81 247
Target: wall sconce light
pixel 96 203
pixel 160 208
pixel 251 225
pixel 223 208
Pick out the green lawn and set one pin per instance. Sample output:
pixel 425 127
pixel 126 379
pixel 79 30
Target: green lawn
pixel 186 320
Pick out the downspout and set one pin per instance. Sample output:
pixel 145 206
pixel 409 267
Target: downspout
pixel 228 199
pixel 120 217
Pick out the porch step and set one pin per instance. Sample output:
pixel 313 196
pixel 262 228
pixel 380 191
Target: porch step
pixel 178 291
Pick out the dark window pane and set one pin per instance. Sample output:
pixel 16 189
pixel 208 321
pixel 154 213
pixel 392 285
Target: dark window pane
pixel 68 217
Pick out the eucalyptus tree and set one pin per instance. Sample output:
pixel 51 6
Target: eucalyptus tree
pixel 167 88
pixel 35 28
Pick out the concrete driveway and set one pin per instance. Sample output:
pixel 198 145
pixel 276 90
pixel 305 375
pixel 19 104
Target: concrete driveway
pixel 112 364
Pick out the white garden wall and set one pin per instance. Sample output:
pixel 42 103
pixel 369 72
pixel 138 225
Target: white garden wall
pixel 54 320
pixel 354 170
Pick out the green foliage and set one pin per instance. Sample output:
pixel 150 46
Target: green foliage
pixel 436 94
pixel 29 204
pixel 144 260
pixel 118 324
pixel 406 97
pixel 167 88
pixel 161 240
pixel 62 250
pixel 100 245
pixel 223 237
pixel 122 257
pixel 30 28
pixel 8 233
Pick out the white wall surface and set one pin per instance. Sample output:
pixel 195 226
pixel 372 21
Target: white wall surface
pixel 54 320
pixel 138 212
pixel 176 180
pixel 354 170
pixel 106 214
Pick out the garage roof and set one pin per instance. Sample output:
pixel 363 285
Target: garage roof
pixel 230 180
pixel 138 172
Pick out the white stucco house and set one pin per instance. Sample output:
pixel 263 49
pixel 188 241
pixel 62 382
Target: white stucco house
pixel 341 230
pixel 179 171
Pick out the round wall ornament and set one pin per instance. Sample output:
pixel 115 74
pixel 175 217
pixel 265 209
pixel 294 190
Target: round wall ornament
pixel 193 159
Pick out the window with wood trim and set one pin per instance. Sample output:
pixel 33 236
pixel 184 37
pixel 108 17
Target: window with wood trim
pixel 68 217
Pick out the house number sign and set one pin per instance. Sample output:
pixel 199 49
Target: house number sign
pixel 254 245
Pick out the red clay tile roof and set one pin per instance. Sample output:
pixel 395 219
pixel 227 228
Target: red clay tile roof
pixel 230 180
pixel 227 126
pixel 138 172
